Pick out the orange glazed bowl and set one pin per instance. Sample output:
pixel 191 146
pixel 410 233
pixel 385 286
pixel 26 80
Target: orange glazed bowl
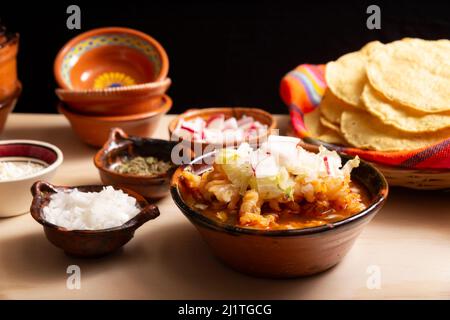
pixel 111 57
pixel 115 101
pixel 7 106
pixel 9 45
pixel 94 130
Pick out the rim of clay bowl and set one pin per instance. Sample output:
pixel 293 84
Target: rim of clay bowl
pixel 164 108
pixel 197 112
pixel 104 30
pixel 147 211
pixel 118 136
pixel 51 167
pixel 376 203
pixel 136 88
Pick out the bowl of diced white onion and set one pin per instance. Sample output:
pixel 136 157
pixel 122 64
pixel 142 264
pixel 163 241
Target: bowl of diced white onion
pixel 89 221
pixel 22 162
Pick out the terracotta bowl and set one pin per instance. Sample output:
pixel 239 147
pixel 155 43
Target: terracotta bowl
pixel 110 57
pixel 15 195
pixel 94 130
pixel 284 253
pixel 7 106
pixel 88 243
pixel 9 46
pixel 117 101
pixel 121 145
pixel 237 112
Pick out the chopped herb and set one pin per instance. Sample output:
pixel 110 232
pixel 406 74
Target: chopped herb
pixel 148 166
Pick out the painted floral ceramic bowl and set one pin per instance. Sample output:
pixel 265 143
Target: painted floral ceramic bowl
pixel 15 195
pixel 88 243
pixel 283 253
pixel 94 130
pixel 9 45
pixel 107 58
pixel 120 146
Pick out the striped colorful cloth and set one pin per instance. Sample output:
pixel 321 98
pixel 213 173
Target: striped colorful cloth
pixel 303 88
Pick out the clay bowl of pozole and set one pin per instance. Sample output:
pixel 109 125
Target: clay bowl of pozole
pixel 288 213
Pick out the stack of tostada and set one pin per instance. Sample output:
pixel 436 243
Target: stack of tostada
pixel 386 97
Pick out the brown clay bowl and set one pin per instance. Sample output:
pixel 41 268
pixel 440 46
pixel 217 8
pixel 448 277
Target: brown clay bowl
pixel 94 130
pixel 7 105
pixel 9 46
pixel 107 58
pixel 121 145
pixel 117 101
pixel 284 253
pixel 237 112
pixel 88 243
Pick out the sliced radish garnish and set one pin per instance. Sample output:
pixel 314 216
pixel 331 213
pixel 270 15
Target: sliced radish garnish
pixel 193 126
pixel 183 133
pixel 327 165
pixel 244 121
pixel 213 136
pixel 230 123
pixel 216 122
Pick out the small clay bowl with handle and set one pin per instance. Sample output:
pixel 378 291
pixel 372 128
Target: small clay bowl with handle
pixel 88 243
pixel 206 114
pixel 120 146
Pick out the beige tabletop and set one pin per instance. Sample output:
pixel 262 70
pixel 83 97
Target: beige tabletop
pixel 403 253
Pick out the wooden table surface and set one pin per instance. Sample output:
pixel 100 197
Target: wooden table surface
pixel 404 253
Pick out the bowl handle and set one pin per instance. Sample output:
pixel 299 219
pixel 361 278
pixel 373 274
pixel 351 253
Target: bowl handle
pixel 116 135
pixel 40 187
pixel 149 212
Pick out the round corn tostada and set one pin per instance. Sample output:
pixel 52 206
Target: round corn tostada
pixel 412 72
pixel 364 131
pixel 331 107
pixel 401 117
pixel 346 77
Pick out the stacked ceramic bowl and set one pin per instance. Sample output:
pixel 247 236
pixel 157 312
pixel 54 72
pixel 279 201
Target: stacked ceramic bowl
pixel 10 87
pixel 112 77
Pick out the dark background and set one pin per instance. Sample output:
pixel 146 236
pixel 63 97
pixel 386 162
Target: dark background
pixel 221 53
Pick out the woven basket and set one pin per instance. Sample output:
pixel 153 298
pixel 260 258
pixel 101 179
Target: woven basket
pixel 416 179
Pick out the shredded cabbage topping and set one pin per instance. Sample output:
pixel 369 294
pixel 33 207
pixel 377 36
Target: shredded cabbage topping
pixel 273 169
pixel 277 186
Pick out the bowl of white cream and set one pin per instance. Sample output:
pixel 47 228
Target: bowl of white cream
pixel 22 162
